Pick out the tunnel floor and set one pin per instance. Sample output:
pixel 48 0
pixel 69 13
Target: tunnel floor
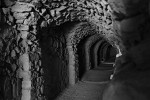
pixel 91 86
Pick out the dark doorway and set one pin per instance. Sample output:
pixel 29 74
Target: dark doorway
pixel 111 54
pixel 106 55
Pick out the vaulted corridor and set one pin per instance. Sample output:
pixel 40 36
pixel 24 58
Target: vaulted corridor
pixel 74 49
pixel 96 61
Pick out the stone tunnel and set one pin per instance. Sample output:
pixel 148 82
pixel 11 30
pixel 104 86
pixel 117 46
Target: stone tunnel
pixel 74 50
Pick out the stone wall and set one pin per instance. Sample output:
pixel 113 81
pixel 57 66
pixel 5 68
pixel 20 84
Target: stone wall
pixel 23 49
pixel 10 83
pixel 123 23
pixel 101 51
pixel 88 44
pixel 26 21
pixel 131 23
pixel 54 61
pixel 74 37
pixel 96 53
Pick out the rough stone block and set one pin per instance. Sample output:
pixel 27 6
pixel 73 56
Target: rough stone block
pixel 44 24
pixel 44 1
pixel 17 50
pixel 26 95
pixel 21 7
pixel 61 8
pixel 24 62
pixel 13 53
pixel 53 13
pixel 23 27
pixel 24 34
pixel 9 3
pixel 20 21
pixel 42 89
pixel 5 10
pixel 14 67
pixel 104 2
pixel 43 11
pixel 26 75
pixel 25 1
pixel 47 16
pixel 20 15
pixel 29 42
pixel 64 3
pixel 11 18
pixel 30 21
pixel 26 84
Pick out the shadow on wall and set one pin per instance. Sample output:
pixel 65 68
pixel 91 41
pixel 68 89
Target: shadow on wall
pixel 55 55
pixel 5 83
pixel 54 61
pixel 10 84
pixel 111 54
pixel 93 53
pixel 81 51
pixel 86 54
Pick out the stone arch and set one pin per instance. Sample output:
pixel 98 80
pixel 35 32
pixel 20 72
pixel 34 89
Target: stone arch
pixel 84 53
pixel 88 48
pixel 96 47
pixel 104 51
pixel 94 54
pixel 82 56
pixel 100 51
pixel 74 36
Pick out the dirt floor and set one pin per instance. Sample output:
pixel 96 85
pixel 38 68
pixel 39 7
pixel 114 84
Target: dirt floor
pixel 91 87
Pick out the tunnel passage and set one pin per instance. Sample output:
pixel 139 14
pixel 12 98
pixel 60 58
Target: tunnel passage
pixel 91 48
pixel 60 57
pixel 84 53
pixel 57 58
pixel 94 51
pixel 118 18
pixel 110 54
pixel 106 53
pixel 76 39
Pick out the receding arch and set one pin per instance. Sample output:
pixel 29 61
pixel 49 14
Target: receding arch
pixel 74 36
pixel 88 48
pixel 94 54
pixel 99 51
pixel 103 52
pixel 82 56
pixel 75 33
pixel 96 47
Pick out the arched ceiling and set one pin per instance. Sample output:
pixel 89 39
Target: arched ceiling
pixel 117 20
pixel 80 31
pixel 55 12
